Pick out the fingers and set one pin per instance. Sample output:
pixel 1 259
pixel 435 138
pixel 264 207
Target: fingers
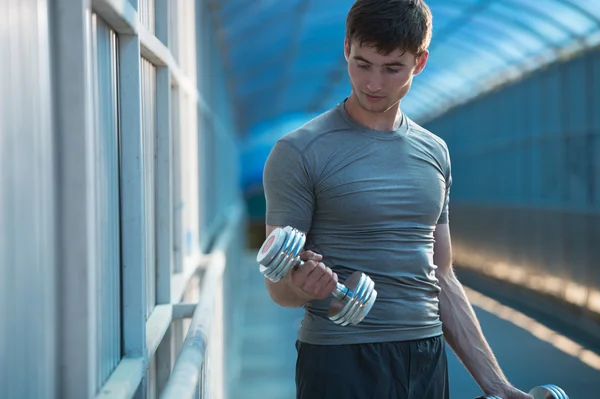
pixel 514 393
pixel 310 255
pixel 327 283
pixel 332 283
pixel 315 279
pixel 301 274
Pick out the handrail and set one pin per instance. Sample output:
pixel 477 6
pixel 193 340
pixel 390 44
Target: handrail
pixel 186 376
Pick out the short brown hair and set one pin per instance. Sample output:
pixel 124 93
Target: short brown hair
pixel 390 25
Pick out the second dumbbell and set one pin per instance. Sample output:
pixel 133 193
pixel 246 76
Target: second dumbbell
pixel 280 253
pixel 548 391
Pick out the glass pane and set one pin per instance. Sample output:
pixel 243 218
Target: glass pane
pixel 148 84
pixel 106 146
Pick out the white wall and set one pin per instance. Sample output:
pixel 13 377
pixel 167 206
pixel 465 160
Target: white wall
pixel 105 198
pixel 27 193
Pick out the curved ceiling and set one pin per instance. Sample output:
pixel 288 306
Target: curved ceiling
pixel 286 57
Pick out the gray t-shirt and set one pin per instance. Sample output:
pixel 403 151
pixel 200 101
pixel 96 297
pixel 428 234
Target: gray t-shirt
pixel 368 200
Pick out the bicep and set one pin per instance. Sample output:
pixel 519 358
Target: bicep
pixel 442 247
pixel 288 188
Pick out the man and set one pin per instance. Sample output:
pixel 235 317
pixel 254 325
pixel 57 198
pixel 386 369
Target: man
pixel 370 188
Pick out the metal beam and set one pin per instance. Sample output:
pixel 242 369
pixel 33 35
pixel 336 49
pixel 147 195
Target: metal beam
pixel 487 39
pixel 486 43
pixel 270 87
pixel 427 85
pixel 291 53
pixel 454 4
pixel 240 36
pixel 581 10
pixel 225 57
pixel 546 17
pixel 274 60
pixel 469 13
pixel 492 36
pixel 76 302
pixel 419 109
pixel 465 16
pixel 472 47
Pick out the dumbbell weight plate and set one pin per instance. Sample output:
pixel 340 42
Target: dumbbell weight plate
pixel 548 392
pixel 288 256
pixel 276 240
pixel 363 289
pixel 279 251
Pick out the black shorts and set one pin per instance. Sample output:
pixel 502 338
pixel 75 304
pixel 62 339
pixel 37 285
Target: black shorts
pixel 399 370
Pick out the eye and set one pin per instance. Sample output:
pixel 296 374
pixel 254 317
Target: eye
pixel 363 66
pixel 391 70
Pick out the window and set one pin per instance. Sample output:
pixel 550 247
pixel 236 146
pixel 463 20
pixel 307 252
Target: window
pixel 106 190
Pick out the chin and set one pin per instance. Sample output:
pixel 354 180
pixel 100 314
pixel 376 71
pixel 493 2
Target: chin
pixel 375 108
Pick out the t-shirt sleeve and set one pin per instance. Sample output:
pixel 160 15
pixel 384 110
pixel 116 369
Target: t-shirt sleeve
pixel 444 216
pixel 288 188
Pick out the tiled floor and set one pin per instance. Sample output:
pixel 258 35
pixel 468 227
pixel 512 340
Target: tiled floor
pixel 268 363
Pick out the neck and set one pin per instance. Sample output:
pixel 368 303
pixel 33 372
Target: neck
pixel 389 120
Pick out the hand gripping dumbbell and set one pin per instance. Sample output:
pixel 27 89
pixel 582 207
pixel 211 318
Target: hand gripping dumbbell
pixel 541 392
pixel 280 253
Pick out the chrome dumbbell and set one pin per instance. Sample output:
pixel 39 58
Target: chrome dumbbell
pixel 548 391
pixel 280 253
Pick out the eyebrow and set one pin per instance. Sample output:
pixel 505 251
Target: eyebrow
pixel 395 63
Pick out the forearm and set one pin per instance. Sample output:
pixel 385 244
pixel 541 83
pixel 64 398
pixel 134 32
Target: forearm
pixel 463 333
pixel 285 294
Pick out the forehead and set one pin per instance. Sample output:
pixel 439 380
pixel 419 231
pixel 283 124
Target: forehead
pixel 373 54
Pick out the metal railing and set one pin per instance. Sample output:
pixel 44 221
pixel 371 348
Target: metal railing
pixel 193 375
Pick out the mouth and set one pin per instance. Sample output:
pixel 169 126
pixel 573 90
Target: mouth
pixel 372 98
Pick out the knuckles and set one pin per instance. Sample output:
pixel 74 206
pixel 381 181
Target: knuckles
pixel 315 279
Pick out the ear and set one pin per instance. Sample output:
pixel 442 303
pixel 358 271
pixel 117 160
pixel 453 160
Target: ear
pixel 346 49
pixel 421 62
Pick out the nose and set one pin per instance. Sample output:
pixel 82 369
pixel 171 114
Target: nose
pixel 374 86
pixel 375 82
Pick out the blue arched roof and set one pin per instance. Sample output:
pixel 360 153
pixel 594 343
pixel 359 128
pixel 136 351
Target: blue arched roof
pixel 284 58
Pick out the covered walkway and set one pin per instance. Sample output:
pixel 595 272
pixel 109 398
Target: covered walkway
pixel 133 135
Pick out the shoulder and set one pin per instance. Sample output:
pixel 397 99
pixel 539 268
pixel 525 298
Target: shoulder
pixel 428 139
pixel 305 136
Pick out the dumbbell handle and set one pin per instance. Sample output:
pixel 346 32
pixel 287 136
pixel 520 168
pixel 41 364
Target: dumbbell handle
pixel 351 301
pixel 340 292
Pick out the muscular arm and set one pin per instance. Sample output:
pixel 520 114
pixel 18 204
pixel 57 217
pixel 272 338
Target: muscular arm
pixel 285 294
pixel 313 280
pixel 461 328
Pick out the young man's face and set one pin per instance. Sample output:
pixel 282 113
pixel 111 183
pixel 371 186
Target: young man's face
pixel 381 81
